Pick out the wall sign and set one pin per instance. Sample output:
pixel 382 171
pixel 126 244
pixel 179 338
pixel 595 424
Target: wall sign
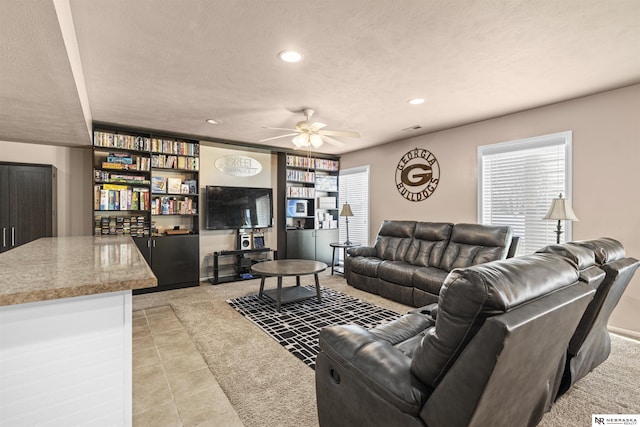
pixel 417 174
pixel 238 165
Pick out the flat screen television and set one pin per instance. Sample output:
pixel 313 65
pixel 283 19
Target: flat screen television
pixel 238 207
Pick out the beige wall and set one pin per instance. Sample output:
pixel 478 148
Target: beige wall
pixel 74 181
pixel 217 240
pixel 606 173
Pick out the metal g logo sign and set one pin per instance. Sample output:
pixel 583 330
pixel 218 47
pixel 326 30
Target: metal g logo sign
pixel 417 175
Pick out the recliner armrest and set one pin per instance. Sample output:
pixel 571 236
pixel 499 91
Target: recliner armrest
pixel 367 251
pixel 376 364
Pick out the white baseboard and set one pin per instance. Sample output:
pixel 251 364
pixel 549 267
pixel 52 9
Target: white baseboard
pixel 624 332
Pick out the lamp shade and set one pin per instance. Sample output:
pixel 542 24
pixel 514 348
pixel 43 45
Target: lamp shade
pixel 560 209
pixel 346 210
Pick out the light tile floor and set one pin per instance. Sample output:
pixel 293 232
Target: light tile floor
pixel 172 385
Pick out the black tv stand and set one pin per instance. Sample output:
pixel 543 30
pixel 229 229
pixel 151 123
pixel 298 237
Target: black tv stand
pixel 240 268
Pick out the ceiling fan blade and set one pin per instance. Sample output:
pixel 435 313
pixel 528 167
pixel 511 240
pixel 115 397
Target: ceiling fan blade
pixel 267 127
pixel 350 134
pixel 332 141
pixel 277 137
pixel 314 127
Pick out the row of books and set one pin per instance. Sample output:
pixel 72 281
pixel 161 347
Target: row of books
pixel 166 185
pixel 136 226
pixel 313 163
pixel 143 143
pixel 112 197
pixel 328 165
pixel 302 192
pixel 175 162
pixel 117 140
pixel 300 162
pixel 171 206
pixel 106 176
pixel 140 164
pixel 174 147
pixel 300 176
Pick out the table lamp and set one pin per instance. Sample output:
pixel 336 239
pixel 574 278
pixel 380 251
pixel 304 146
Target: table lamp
pixel 561 210
pixel 346 213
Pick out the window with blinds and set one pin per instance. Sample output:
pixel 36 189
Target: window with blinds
pixel 354 189
pixel 517 181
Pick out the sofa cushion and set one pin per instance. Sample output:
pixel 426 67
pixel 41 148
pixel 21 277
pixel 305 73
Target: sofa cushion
pixel 429 242
pixel 397 272
pixel 365 266
pixel 472 244
pixel 429 279
pixel 394 239
pixel 470 295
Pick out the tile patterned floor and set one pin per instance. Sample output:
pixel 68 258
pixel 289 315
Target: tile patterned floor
pixel 172 385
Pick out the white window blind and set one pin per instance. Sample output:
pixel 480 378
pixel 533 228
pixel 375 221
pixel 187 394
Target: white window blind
pixel 518 180
pixel 354 189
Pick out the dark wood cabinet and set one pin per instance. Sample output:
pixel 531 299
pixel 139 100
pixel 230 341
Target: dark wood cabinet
pixel 28 200
pixel 175 260
pixel 311 244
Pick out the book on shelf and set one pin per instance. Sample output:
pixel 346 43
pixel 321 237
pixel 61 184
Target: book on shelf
pixel 173 185
pixel 193 186
pixel 158 184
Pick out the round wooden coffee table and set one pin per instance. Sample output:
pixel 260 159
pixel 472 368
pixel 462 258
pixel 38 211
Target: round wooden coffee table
pixel 288 267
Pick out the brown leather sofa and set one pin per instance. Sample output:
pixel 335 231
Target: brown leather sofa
pixel 491 357
pixel 410 260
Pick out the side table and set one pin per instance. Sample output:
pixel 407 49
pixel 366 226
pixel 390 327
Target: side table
pixel 344 247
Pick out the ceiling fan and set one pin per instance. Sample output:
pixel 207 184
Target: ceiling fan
pixel 309 133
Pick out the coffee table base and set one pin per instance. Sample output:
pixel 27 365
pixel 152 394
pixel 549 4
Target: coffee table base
pixel 283 295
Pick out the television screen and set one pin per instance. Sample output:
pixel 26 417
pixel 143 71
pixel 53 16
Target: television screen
pixel 238 207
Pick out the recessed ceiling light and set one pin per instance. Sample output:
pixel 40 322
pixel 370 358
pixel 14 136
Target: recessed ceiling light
pixel 290 56
pixel 213 121
pixel 416 101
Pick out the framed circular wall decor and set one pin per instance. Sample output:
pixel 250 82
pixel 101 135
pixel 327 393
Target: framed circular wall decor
pixel 417 175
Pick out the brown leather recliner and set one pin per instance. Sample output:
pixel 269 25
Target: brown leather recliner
pixel 491 358
pixel 591 342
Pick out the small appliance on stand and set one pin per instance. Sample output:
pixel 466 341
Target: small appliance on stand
pixel 244 240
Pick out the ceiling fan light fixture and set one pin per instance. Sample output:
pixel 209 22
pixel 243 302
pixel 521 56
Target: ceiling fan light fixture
pixel 290 56
pixel 315 140
pixel 301 140
pixel 416 101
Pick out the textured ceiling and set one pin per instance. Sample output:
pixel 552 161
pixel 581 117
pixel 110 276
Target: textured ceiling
pixel 169 65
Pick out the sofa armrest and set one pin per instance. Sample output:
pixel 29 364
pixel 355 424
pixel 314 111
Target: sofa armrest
pixel 366 251
pixel 430 311
pixel 382 369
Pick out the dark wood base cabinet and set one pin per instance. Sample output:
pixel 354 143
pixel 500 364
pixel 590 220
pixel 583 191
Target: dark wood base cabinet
pixel 28 203
pixel 175 260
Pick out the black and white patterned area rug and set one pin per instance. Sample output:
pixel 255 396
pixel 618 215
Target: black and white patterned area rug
pixel 297 326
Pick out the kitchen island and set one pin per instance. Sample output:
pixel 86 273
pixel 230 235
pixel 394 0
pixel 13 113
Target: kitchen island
pixel 65 330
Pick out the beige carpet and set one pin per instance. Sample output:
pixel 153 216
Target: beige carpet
pixel 269 386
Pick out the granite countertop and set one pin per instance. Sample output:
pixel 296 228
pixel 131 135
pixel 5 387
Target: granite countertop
pixel 62 267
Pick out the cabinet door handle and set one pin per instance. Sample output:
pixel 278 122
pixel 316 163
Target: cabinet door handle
pixel 13 236
pixel 154 243
pixel 149 243
pixel 4 237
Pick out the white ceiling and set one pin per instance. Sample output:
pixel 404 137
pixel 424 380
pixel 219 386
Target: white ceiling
pixel 169 65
